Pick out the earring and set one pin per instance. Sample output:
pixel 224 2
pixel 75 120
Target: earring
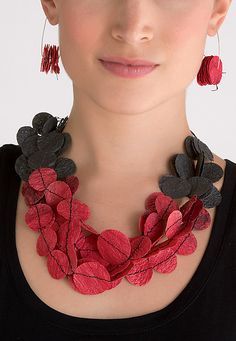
pixel 210 71
pixel 50 56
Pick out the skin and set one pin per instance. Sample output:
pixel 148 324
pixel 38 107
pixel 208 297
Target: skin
pixel 129 128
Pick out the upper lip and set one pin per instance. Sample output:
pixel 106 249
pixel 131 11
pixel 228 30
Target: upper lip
pixel 126 61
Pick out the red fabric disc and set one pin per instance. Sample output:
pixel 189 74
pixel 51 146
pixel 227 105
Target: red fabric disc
pixel 203 221
pixel 114 246
pixel 120 271
pixel 39 216
pixel 56 192
pixel 153 227
pixel 164 261
pixel 73 209
pixel 140 273
pixel 90 250
pixel 174 224
pixel 41 178
pixel 46 241
pixel 140 246
pixel 31 196
pixel 188 244
pixel 91 278
pixel 73 183
pixel 58 264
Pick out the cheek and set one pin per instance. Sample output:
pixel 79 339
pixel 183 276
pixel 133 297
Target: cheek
pixel 79 36
pixel 185 41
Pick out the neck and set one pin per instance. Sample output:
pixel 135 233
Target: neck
pixel 126 144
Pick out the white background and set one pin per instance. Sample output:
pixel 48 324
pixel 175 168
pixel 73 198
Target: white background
pixel 25 91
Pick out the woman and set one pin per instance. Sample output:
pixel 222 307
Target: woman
pixel 124 129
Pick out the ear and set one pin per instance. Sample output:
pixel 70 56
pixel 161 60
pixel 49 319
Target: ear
pixel 50 8
pixel 219 12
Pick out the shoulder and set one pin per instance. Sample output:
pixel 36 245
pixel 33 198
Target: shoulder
pixel 9 152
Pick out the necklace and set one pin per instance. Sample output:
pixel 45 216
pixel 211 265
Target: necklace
pixel 94 262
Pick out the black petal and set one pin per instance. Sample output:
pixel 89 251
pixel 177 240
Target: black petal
pixel 212 199
pixel 200 185
pixel 184 166
pixel 174 187
pixel 25 132
pixel 65 167
pixel 202 147
pixel 39 121
pixel 212 171
pixel 67 143
pixel 200 164
pixel 22 168
pixel 189 147
pixel 29 146
pixel 49 125
pixel 52 141
pixel 42 159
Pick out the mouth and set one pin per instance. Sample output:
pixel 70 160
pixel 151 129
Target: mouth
pixel 128 62
pixel 127 70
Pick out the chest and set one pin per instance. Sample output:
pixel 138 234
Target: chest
pixel 125 300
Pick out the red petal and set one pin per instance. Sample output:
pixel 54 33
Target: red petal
pixel 120 271
pixel 41 178
pixel 39 216
pixel 140 273
pixel 73 209
pixel 58 264
pixel 153 227
pixel 89 250
pixel 72 256
pixel 188 244
pixel 89 228
pixel 165 205
pixel 56 192
pixel 31 196
pixel 174 223
pixel 150 202
pixel 164 261
pixel 142 220
pixel 46 241
pixel 140 246
pixel 91 278
pixel 73 183
pixel 203 221
pixel 114 246
pixel 80 242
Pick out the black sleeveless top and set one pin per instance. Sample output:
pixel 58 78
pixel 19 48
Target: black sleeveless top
pixel 204 311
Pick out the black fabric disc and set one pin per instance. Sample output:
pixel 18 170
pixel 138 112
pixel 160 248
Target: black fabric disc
pixel 22 168
pixel 174 187
pixel 39 121
pixel 42 159
pixel 65 167
pixel 25 132
pixel 212 171
pixel 29 146
pixel 52 141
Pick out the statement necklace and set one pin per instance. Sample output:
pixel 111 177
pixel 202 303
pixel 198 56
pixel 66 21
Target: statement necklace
pixel 94 262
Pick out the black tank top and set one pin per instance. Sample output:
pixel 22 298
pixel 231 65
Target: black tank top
pixel 204 311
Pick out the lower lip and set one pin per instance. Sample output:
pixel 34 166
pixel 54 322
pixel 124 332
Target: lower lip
pixel 128 71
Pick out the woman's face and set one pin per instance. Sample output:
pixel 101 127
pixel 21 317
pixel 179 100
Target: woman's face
pixel 171 33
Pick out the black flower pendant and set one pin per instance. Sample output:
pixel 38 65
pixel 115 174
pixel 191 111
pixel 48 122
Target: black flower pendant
pixel 188 179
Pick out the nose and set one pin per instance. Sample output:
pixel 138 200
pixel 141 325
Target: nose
pixel 133 23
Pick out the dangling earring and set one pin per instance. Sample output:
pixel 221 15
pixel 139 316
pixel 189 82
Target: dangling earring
pixel 50 56
pixel 210 71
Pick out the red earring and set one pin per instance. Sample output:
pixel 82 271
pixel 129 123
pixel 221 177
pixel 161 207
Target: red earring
pixel 210 71
pixel 50 57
